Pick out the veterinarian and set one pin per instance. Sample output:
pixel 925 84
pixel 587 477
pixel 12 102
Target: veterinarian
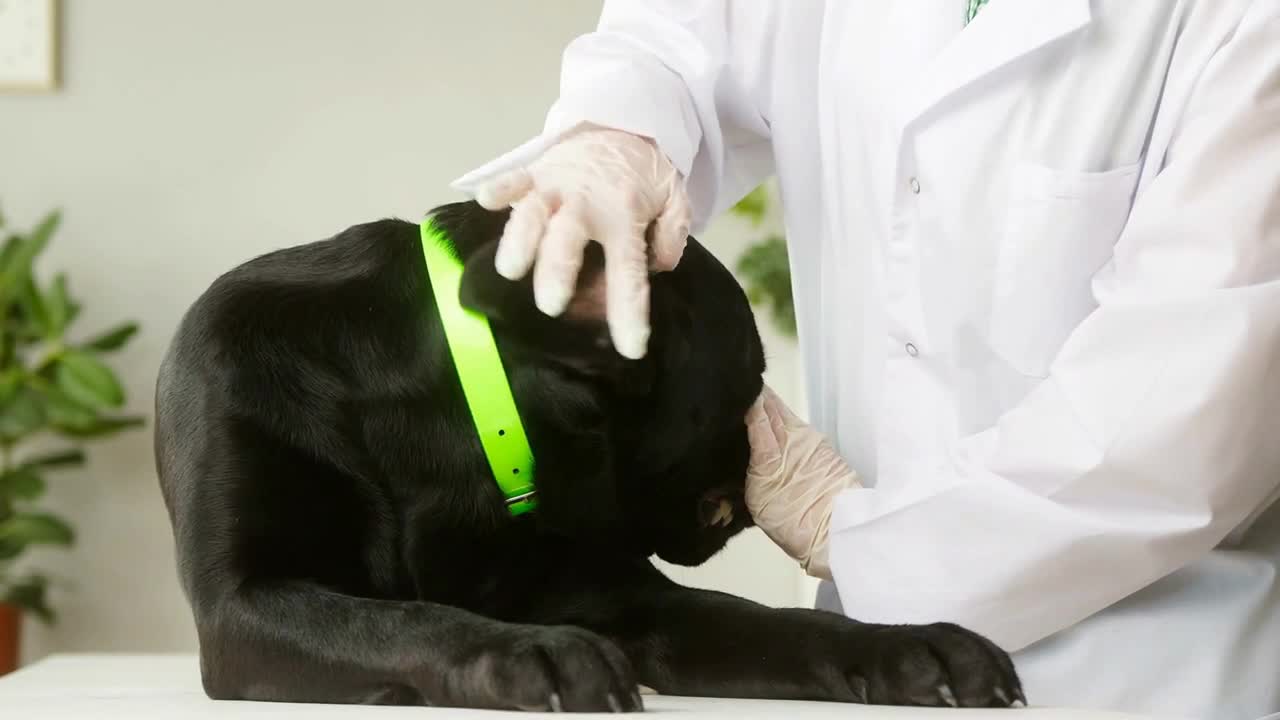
pixel 1035 248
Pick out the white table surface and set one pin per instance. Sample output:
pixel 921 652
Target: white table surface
pixel 165 687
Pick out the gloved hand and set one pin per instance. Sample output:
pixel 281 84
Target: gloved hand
pixel 594 184
pixel 792 482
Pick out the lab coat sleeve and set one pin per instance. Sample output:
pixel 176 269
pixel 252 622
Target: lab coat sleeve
pixel 1153 439
pixel 690 74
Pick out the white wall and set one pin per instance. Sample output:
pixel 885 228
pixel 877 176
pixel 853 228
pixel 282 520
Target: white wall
pixel 191 136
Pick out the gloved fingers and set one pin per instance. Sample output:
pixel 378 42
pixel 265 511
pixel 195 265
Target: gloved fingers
pixel 522 235
pixel 627 290
pixel 794 517
pixel 560 255
pixel 813 471
pixel 770 422
pixel 671 229
pixel 782 418
pixel 766 450
pixel 505 189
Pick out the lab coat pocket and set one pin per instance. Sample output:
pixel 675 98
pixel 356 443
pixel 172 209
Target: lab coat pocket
pixel 1060 228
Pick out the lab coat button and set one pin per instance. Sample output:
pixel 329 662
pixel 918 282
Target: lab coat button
pixel 915 186
pixel 912 350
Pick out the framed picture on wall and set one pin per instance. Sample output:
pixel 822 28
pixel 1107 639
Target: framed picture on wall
pixel 28 45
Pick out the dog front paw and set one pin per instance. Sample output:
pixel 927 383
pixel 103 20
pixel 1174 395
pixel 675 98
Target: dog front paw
pixel 557 669
pixel 936 665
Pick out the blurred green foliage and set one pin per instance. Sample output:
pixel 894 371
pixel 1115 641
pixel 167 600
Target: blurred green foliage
pixel 764 266
pixel 50 387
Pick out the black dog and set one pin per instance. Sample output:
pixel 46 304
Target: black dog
pixel 341 538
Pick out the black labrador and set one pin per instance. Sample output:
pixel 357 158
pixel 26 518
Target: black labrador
pixel 341 538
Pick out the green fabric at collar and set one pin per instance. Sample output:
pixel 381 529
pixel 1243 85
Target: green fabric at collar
pixel 483 378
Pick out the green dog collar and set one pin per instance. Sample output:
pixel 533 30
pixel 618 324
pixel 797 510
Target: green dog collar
pixel 484 380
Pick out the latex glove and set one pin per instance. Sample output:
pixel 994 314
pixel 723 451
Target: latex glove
pixel 595 184
pixel 792 482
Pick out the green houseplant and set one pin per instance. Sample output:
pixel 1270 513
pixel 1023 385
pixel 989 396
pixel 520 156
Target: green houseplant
pixel 764 266
pixel 55 395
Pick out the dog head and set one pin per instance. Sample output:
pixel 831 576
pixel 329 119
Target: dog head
pixel 671 423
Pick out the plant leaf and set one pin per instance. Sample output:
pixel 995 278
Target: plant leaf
pixel 31 594
pixel 73 311
pixel 67 414
pixel 11 246
pixel 22 529
pixel 10 381
pixel 62 458
pixel 105 426
pixel 57 304
pixel 767 280
pixel 21 483
pixel 754 206
pixel 34 313
pixel 8 346
pixel 87 381
pixel 22 415
pixel 17 264
pixel 113 339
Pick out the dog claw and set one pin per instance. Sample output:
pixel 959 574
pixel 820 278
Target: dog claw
pixel 556 705
pixel 636 700
pixel 948 697
pixel 614 705
pixel 1003 697
pixel 859 688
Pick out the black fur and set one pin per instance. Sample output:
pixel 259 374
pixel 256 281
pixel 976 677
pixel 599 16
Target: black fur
pixel 340 538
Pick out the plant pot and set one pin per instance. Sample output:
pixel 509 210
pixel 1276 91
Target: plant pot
pixel 10 625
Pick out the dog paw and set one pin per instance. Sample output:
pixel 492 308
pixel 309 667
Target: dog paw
pixel 551 669
pixel 940 665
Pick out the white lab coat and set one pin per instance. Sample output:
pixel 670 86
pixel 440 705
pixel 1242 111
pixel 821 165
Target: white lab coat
pixel 1036 264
